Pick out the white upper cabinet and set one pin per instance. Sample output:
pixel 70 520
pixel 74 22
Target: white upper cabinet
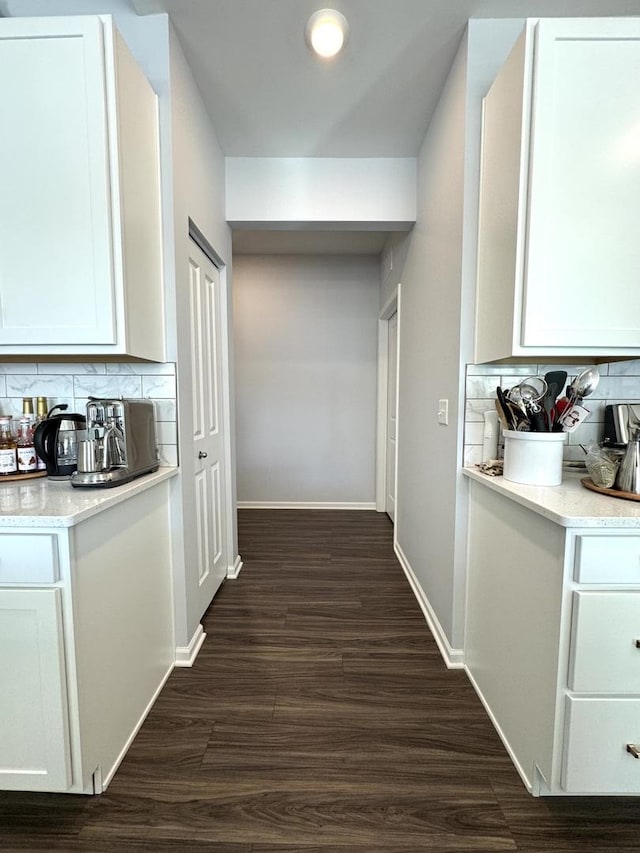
pixel 558 245
pixel 80 246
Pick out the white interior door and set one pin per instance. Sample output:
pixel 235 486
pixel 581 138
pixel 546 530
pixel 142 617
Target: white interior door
pixel 208 446
pixel 392 396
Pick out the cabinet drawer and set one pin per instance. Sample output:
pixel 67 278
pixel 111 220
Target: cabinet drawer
pixel 604 631
pixel 607 559
pixel 29 558
pixel 595 749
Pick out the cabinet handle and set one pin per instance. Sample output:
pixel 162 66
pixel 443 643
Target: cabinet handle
pixel 632 749
pixel 636 644
pixel 202 455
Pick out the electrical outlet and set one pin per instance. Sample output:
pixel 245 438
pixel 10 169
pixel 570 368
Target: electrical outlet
pixel 443 412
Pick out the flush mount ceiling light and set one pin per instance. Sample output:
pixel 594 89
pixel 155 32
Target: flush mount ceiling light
pixel 326 32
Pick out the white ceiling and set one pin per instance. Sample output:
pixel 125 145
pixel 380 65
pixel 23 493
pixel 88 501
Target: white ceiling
pixel 269 97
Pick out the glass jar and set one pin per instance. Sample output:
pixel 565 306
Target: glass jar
pixel 8 448
pixel 41 415
pixel 25 450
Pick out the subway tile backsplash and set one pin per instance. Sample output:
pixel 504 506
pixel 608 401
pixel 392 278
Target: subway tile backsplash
pixel 619 382
pixel 72 384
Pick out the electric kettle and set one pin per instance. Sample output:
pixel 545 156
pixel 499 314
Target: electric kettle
pixel 56 442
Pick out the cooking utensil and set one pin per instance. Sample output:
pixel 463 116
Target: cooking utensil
pixel 502 415
pixel 583 385
pixel 561 406
pixel 556 380
pixel 526 395
pixel 512 422
pixel 533 388
pixel 537 420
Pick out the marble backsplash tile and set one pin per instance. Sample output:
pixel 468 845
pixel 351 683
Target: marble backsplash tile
pixel 73 383
pixel 619 382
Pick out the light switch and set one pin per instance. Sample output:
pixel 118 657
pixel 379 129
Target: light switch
pixel 443 412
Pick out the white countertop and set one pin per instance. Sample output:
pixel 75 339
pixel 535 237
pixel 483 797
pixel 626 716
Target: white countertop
pixel 48 503
pixel 569 504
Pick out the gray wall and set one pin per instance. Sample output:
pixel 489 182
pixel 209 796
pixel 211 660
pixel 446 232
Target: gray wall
pixel 429 353
pixel 198 193
pixel 435 266
pixel 305 377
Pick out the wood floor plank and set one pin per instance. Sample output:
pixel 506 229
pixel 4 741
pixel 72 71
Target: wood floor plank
pixel 276 666
pixel 357 757
pixel 318 718
pixel 445 820
pixel 25 816
pixel 123 844
pixel 373 846
pixel 563 824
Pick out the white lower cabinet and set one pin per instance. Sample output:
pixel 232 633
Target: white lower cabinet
pixel 602 705
pixel 553 645
pixel 604 656
pixel 604 560
pixel 35 751
pixel 83 657
pixel 601 737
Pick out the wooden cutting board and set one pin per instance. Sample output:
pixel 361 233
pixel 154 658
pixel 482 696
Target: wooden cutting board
pixel 13 478
pixel 588 483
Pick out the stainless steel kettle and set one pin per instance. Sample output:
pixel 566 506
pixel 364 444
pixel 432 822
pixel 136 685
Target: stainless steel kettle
pixel 56 442
pixel 628 477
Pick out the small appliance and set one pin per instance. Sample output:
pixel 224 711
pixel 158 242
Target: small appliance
pixel 120 443
pixel 616 424
pixel 628 477
pixel 56 442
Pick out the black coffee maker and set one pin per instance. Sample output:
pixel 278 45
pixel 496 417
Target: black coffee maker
pixel 56 442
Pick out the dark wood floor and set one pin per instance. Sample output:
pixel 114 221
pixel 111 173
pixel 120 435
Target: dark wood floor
pixel 318 718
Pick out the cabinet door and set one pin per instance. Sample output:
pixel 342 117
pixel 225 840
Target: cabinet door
pixel 583 252
pixel 56 274
pixel 605 630
pixel 34 736
pixel 596 760
pixel 505 146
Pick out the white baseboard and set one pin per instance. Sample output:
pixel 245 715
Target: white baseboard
pixel 454 658
pixel 186 655
pixel 305 505
pixel 234 570
pixel 104 781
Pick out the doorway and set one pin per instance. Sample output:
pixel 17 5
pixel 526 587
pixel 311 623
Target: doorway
pixel 207 433
pixel 392 404
pixel 387 451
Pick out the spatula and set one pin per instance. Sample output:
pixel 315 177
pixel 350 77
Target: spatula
pixel 555 380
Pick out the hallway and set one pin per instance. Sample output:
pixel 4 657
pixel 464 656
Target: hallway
pixel 318 718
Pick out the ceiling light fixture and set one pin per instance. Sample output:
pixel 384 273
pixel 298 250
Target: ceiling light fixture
pixel 326 32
